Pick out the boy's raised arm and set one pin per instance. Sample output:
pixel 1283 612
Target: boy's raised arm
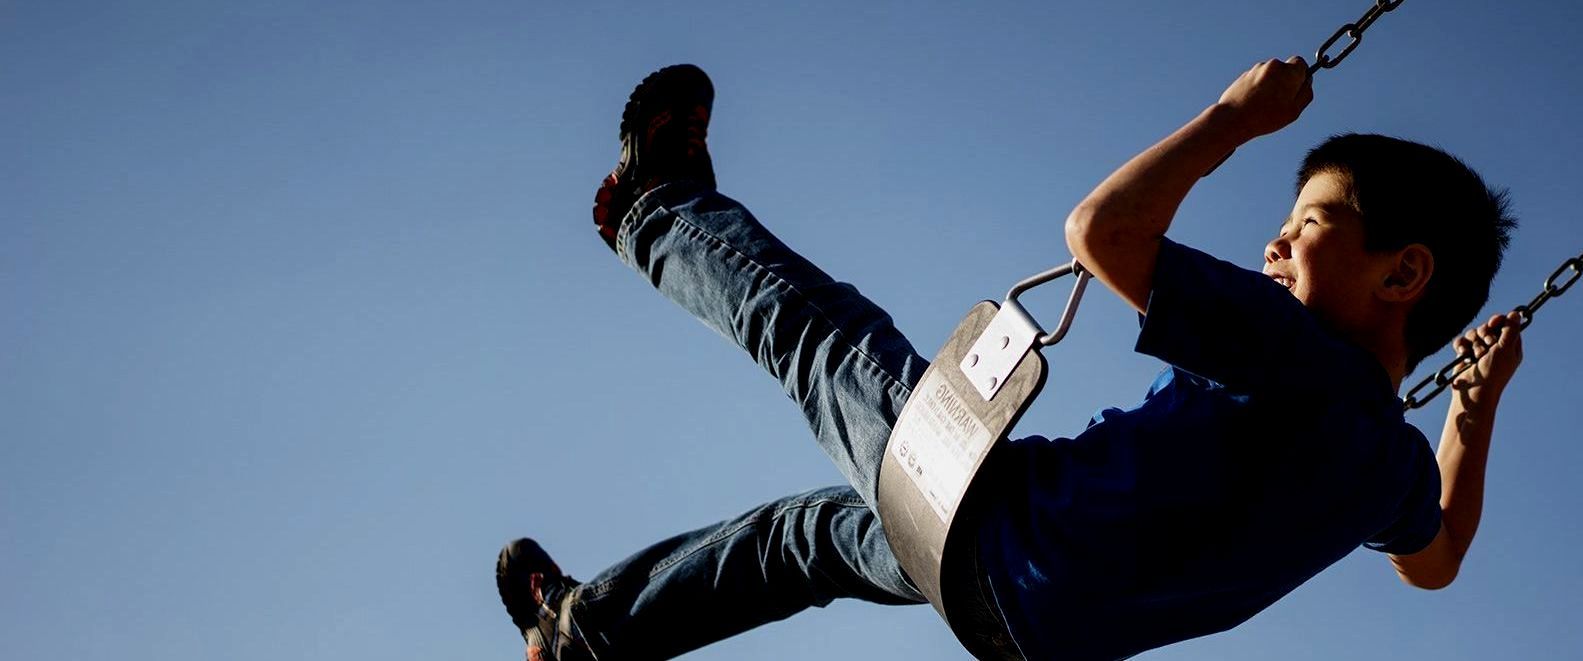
pixel 1464 452
pixel 1115 232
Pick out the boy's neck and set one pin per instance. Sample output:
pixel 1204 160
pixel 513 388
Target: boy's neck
pixel 1390 349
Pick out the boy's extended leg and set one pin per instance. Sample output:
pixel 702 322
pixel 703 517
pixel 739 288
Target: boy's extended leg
pixel 836 354
pixel 714 582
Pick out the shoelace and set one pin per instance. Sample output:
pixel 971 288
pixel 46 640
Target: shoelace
pixel 561 634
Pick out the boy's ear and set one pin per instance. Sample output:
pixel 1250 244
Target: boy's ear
pixel 1409 274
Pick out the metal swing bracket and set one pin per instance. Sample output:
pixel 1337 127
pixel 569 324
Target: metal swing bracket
pixel 934 470
pixel 1013 332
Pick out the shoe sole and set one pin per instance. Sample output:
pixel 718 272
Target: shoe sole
pixel 675 86
pixel 516 561
pixel 679 88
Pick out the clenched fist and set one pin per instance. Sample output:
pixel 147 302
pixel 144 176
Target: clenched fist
pixel 1501 342
pixel 1269 96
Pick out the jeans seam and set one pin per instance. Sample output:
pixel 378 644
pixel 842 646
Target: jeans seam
pixel 639 210
pixel 594 591
pixel 835 330
pixel 721 535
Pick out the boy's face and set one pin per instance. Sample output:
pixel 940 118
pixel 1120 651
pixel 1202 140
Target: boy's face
pixel 1319 255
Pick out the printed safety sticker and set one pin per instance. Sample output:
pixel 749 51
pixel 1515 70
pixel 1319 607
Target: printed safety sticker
pixel 939 441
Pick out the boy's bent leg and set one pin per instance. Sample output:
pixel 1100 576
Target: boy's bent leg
pixel 836 354
pixel 718 581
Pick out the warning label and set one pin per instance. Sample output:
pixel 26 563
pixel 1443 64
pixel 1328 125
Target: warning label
pixel 939 440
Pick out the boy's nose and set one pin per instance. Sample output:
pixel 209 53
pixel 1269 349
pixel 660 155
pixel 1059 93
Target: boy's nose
pixel 1277 249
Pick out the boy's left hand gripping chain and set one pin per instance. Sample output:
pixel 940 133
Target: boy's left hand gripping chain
pixel 1436 383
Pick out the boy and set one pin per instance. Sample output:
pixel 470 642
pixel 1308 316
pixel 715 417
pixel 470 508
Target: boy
pixel 1272 445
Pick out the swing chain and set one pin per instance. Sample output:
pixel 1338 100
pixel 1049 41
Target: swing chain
pixel 1554 287
pixel 1322 58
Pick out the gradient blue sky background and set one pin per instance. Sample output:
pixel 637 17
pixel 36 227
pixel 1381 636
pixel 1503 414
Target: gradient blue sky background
pixel 301 314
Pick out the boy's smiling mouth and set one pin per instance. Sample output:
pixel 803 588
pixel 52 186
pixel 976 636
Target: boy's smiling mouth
pixel 1283 280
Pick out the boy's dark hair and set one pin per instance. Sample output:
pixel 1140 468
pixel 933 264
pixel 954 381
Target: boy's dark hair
pixel 1410 193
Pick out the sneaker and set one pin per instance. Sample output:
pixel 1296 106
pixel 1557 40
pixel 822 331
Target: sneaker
pixel 662 140
pixel 539 599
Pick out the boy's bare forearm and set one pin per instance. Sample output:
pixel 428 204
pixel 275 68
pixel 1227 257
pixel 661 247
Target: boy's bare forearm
pixel 1463 455
pixel 1141 197
pixel 1465 449
pixel 1135 205
pixel 1115 232
pixel 1465 441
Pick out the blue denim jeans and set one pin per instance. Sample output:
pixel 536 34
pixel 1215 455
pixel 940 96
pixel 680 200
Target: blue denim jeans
pixel 840 358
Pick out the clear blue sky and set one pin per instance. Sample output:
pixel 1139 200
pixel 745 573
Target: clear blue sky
pixel 301 314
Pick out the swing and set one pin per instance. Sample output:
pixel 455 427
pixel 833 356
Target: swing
pixel 941 454
pixel 981 382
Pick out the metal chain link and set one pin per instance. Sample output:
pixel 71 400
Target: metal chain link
pixel 1443 378
pixel 1322 58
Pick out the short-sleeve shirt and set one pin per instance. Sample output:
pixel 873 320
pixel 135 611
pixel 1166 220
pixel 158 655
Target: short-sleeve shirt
pixel 1269 448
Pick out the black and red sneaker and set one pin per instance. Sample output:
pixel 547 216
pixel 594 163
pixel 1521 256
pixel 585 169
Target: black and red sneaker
pixel 539 599
pixel 663 131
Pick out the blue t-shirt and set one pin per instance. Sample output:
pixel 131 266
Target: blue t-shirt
pixel 1267 450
